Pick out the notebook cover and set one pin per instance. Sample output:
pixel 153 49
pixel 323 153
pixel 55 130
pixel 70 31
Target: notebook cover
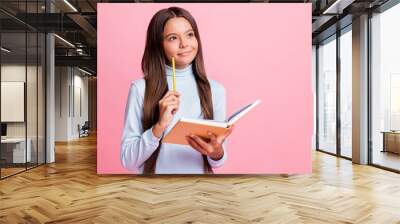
pixel 181 129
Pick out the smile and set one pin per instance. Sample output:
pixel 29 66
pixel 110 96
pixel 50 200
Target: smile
pixel 185 53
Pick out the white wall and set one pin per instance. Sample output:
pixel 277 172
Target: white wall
pixel 70 83
pixel 79 117
pixel 62 81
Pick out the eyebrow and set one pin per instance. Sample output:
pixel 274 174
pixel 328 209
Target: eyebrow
pixel 176 34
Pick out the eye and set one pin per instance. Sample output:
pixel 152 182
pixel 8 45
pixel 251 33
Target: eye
pixel 171 38
pixel 191 34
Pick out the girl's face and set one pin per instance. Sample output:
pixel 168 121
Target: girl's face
pixel 179 42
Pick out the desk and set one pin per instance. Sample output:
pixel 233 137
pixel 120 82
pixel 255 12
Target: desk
pixel 15 148
pixel 391 141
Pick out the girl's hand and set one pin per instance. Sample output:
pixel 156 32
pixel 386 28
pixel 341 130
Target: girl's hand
pixel 213 148
pixel 168 106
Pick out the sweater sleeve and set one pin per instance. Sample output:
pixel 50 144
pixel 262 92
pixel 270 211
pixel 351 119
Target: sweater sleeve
pixel 136 145
pixel 219 105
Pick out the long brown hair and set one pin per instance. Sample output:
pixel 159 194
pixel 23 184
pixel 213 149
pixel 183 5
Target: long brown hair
pixel 153 68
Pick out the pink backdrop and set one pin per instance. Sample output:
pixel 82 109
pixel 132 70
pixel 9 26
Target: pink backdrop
pixel 255 50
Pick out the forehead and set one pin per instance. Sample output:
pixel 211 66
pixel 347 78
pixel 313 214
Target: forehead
pixel 177 25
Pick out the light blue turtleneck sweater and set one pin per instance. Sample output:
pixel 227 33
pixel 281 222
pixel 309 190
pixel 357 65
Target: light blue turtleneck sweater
pixel 137 144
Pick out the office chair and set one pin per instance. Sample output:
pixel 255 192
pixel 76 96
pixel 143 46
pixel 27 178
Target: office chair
pixel 84 130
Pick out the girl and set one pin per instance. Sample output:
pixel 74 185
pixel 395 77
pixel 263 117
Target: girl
pixel 153 108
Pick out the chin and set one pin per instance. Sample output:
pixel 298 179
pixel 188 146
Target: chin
pixel 188 61
pixel 185 62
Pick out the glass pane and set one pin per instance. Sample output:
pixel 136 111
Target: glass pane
pixel 314 75
pixel 41 98
pixel 346 93
pixel 9 24
pixel 13 86
pixel 327 96
pixel 22 87
pixel 31 84
pixel 31 100
pixel 386 89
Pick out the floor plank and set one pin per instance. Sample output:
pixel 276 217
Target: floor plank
pixel 70 191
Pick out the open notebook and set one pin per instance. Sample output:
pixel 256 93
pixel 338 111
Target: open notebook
pixel 201 127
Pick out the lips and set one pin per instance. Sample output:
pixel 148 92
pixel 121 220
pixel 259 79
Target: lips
pixel 186 53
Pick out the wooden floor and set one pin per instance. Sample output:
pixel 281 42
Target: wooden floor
pixel 70 191
pixel 5 172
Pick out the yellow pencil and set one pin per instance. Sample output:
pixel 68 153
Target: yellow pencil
pixel 173 74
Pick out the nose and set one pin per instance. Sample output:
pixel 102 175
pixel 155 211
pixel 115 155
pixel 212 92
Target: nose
pixel 184 43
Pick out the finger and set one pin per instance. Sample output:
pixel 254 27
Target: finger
pixel 173 106
pixel 172 93
pixel 202 143
pixel 213 139
pixel 165 105
pixel 196 146
pixel 168 102
pixel 221 138
pixel 166 95
pixel 176 93
pixel 174 111
pixel 167 99
pixel 171 99
pixel 227 133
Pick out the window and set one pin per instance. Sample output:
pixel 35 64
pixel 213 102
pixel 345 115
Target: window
pixel 346 92
pixel 22 78
pixel 385 88
pixel 327 95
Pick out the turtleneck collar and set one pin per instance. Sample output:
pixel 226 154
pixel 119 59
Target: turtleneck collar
pixel 187 71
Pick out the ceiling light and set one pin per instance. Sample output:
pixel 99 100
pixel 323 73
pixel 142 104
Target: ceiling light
pixel 70 5
pixel 5 50
pixel 86 72
pixel 64 40
pixel 337 7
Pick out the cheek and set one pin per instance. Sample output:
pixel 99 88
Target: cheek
pixel 195 47
pixel 195 44
pixel 170 49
